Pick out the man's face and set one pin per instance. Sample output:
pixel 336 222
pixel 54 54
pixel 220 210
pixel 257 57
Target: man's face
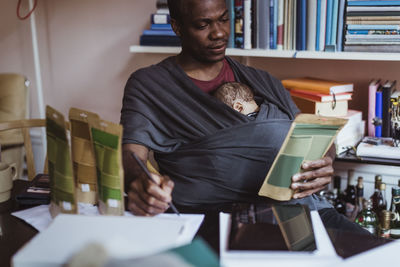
pixel 205 29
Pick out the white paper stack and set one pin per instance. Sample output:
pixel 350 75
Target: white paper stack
pixel 351 133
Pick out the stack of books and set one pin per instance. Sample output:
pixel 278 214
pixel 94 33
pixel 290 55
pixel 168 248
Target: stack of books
pixel 160 32
pixel 372 26
pixel 318 96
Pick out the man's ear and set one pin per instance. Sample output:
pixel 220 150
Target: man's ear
pixel 238 106
pixel 176 27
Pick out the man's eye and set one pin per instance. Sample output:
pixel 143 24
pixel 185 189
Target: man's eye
pixel 201 26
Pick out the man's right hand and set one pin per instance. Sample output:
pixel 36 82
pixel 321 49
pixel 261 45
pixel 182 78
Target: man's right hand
pixel 145 197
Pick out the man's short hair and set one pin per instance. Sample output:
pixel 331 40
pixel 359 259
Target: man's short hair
pixel 176 9
pixel 229 92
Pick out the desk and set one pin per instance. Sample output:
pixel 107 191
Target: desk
pixel 14 233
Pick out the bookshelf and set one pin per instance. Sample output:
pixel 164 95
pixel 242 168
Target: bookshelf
pixel 279 54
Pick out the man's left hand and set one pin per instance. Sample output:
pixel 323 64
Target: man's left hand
pixel 315 176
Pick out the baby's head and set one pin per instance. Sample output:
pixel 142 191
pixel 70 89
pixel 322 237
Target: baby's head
pixel 238 96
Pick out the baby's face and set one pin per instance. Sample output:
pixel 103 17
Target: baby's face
pixel 245 107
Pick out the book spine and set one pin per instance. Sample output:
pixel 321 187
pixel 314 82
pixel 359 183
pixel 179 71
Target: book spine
pixel 386 120
pixel 161 27
pixel 301 29
pixel 318 25
pixel 272 25
pixel 341 17
pixel 322 27
pixel 231 11
pixel 159 32
pixel 281 8
pixel 286 23
pixel 378 113
pixel 373 3
pixel 303 24
pixel 328 30
pixel 160 19
pixel 335 17
pixel 373 86
pixel 276 11
pixel 254 24
pixel 238 23
pixel 263 12
pixel 311 24
pixel 247 24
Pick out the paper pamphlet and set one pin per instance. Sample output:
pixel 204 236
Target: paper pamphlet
pixel 84 162
pixel 62 183
pixel 309 138
pixel 123 237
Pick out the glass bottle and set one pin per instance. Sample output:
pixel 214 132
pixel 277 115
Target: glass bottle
pixel 338 203
pixel 350 193
pixel 359 198
pixel 395 213
pixel 374 196
pixel 367 218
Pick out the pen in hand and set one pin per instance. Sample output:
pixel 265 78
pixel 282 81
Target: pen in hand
pixel 147 173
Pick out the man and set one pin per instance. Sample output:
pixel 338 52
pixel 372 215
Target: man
pixel 214 155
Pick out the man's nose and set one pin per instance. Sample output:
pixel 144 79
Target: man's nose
pixel 217 31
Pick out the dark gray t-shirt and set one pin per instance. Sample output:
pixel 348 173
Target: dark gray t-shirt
pixel 213 153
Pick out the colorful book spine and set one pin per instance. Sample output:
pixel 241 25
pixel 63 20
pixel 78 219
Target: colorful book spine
pixel 373 3
pixel 160 27
pixel 301 26
pixel 387 89
pixel 339 39
pixel 378 112
pixel 329 9
pixel 239 24
pixel 272 25
pixel 318 26
pixel 231 11
pixel 335 13
pixel 159 32
pixel 372 88
pixel 280 25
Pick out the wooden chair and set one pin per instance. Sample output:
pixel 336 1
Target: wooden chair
pixel 25 125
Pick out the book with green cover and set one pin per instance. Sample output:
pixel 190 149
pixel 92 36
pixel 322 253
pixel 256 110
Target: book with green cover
pixel 309 138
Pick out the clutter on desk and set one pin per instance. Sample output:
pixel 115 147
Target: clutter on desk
pixel 37 192
pixel 378 148
pixel 372 213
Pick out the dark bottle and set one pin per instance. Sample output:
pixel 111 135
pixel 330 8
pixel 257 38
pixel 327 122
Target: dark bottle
pixel 338 203
pixel 359 198
pixel 379 202
pixel 350 194
pixel 374 196
pixel 395 213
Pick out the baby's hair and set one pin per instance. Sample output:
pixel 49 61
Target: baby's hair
pixel 230 91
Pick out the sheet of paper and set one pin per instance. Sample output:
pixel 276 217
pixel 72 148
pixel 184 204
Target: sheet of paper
pixel 122 237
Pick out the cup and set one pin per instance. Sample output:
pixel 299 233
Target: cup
pixel 8 172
